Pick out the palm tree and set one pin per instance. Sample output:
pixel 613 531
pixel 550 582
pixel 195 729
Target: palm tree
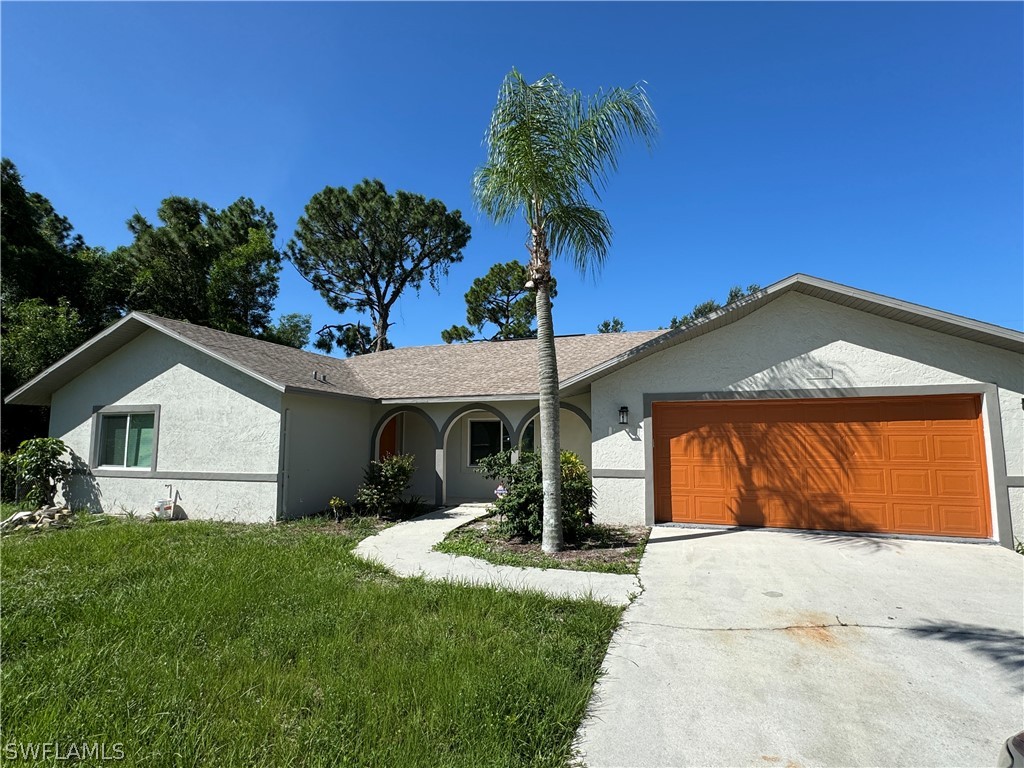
pixel 549 154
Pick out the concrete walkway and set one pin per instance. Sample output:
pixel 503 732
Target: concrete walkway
pixel 407 549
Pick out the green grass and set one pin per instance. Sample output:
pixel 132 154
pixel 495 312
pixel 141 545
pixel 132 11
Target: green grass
pixel 8 508
pixel 201 644
pixel 601 550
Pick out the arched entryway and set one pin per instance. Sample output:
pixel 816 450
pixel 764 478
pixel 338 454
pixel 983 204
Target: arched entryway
pixel 470 433
pixel 574 431
pixel 409 430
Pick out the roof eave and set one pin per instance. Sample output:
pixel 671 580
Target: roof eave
pixel 993 335
pixel 36 391
pixel 25 394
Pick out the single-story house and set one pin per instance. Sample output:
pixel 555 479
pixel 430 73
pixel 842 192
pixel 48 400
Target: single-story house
pixel 807 405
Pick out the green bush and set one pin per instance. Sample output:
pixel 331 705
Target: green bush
pixel 522 507
pixel 384 482
pixel 40 466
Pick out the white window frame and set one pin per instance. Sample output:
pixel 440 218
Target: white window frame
pixel 99 413
pixel 469 437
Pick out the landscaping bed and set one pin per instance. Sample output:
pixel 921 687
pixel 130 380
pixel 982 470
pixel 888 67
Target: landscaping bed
pixel 206 644
pixel 601 548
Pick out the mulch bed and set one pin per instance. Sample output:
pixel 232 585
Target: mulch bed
pixel 603 544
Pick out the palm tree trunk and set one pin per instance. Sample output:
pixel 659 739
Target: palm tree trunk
pixel 550 453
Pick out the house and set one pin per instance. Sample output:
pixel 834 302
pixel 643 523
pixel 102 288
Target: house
pixel 809 404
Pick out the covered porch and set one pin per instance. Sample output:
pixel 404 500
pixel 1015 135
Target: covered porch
pixel 448 439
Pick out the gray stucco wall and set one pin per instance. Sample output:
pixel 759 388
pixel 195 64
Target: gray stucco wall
pixel 797 343
pixel 418 440
pixel 218 436
pixel 326 450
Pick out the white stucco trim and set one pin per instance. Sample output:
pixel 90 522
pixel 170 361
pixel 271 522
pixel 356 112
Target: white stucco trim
pixel 456 399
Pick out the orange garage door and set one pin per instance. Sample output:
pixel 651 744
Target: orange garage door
pixel 899 464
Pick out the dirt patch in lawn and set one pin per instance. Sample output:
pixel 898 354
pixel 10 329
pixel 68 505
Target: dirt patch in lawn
pixel 603 548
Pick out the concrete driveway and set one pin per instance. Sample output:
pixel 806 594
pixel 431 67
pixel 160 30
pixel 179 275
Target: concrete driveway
pixel 768 648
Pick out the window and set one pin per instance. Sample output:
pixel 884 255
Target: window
pixel 486 438
pixel 526 445
pixel 126 440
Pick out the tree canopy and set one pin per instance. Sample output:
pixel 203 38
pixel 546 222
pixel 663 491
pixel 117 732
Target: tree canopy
pixel 611 326
pixel 705 308
pixel 362 249
pixel 499 299
pixel 218 268
pixel 214 268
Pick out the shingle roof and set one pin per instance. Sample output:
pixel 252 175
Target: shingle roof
pixel 282 365
pixel 484 368
pixel 475 370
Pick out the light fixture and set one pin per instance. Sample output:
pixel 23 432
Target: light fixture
pixel 623 415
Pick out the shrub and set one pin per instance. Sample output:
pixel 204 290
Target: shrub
pixel 522 507
pixel 41 467
pixel 384 482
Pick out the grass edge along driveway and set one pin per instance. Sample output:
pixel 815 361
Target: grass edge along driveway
pixel 227 645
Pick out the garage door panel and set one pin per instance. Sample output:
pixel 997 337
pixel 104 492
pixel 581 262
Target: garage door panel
pixel 913 518
pixel 751 511
pixel 964 520
pixel 867 481
pixel 865 445
pixel 912 448
pixel 712 477
pixel 910 482
pixel 680 477
pixel 954 483
pixel 955 448
pixel 712 509
pixel 822 478
pixel 911 465
pixel 870 515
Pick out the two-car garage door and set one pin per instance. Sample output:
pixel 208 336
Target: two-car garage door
pixel 900 465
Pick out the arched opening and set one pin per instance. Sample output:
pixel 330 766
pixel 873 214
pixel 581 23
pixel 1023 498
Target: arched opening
pixel 574 430
pixel 470 434
pixel 409 430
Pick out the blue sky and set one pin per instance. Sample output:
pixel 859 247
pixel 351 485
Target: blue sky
pixel 875 144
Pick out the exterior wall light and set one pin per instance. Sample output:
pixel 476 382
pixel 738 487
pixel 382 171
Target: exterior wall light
pixel 623 415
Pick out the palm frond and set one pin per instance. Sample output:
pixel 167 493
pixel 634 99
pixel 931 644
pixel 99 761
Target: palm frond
pixel 549 149
pixel 582 232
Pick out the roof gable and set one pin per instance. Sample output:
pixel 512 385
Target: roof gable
pixel 865 301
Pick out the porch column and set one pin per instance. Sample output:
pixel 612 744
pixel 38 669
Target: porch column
pixel 439 490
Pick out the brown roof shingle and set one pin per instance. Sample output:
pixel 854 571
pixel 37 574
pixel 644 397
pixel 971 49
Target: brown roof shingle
pixel 476 370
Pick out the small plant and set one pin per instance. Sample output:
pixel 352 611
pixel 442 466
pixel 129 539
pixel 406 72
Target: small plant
pixel 40 465
pixel 340 508
pixel 522 507
pixel 1018 546
pixel 384 482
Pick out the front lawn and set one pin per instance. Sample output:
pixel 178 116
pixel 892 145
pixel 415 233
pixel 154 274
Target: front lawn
pixel 206 644
pixel 601 548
